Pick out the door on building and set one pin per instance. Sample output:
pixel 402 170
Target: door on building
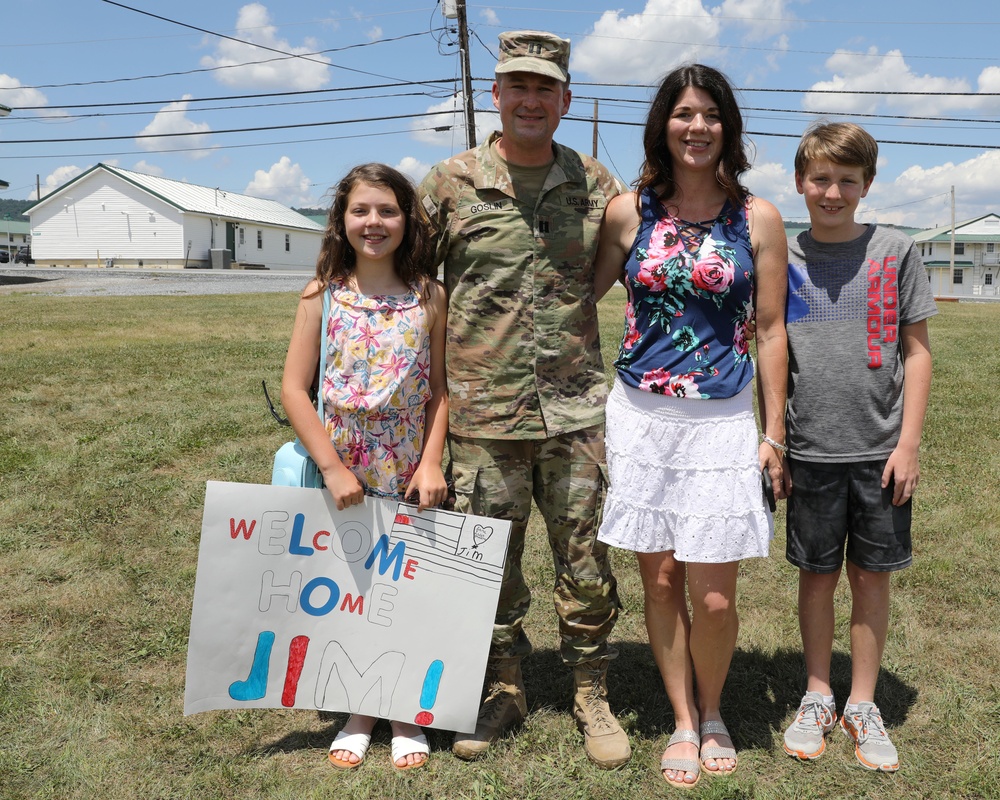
pixel 231 239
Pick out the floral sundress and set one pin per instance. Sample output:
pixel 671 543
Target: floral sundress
pixel 377 385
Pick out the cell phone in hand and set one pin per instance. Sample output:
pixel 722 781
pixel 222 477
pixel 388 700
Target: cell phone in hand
pixel 765 482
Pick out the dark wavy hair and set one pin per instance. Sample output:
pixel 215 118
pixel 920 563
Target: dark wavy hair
pixel 412 258
pixel 734 162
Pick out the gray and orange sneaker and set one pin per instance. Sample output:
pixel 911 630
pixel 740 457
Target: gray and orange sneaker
pixel 805 738
pixel 871 743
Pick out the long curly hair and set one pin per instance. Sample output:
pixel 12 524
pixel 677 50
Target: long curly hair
pixel 734 163
pixel 337 258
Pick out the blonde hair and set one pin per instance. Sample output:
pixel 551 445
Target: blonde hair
pixel 843 143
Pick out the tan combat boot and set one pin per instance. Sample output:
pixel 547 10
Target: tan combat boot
pixel 604 740
pixel 503 707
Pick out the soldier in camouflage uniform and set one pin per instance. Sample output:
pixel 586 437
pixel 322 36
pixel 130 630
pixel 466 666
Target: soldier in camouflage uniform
pixel 517 222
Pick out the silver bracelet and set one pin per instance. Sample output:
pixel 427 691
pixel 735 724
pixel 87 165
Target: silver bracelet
pixel 781 448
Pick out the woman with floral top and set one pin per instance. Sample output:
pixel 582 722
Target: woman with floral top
pixel 701 259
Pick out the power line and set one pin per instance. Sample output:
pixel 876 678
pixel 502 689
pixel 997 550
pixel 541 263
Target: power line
pixel 647 14
pixel 628 101
pixel 215 147
pixel 785 135
pixel 230 130
pixel 254 96
pixel 850 92
pixel 202 70
pixel 443 83
pixel 568 117
pixel 283 103
pixel 245 42
pixel 726 46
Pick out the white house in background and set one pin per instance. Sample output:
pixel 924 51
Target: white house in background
pixel 109 216
pixel 975 271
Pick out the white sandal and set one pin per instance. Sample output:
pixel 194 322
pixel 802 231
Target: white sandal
pixel 403 746
pixel 356 743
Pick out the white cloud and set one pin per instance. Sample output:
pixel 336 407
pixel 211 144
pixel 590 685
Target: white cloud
pixel 146 168
pixel 172 118
pixel 920 196
pixel 14 96
pixel 975 182
pixel 413 168
pixel 889 73
pixel 284 182
pixel 636 47
pixel 374 33
pixel 57 178
pixel 763 19
pixel 989 81
pixel 489 16
pixel 253 24
pixel 448 129
pixel 775 183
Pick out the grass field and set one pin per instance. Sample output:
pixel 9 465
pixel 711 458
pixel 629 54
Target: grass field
pixel 115 411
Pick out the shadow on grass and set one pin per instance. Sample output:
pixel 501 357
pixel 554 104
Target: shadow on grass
pixel 762 691
pixel 17 280
pixel 320 738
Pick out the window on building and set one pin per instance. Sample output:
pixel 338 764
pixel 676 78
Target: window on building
pixel 956 276
pixel 959 248
pixel 990 247
pixel 930 248
pixel 988 279
pixel 243 237
pixel 288 243
pixel 260 240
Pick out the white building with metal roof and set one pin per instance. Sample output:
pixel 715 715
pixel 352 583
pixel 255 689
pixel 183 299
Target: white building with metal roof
pixel 970 267
pixel 108 216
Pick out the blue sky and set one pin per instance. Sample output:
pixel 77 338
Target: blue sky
pixel 377 81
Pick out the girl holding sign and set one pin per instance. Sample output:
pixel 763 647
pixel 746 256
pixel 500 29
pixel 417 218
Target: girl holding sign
pixel 385 402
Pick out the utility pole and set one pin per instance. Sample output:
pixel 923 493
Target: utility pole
pixel 595 132
pixel 951 262
pixel 463 48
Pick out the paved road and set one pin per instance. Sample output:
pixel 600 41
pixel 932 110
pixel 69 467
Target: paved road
pixel 116 281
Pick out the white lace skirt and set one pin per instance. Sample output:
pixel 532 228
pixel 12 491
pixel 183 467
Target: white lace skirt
pixel 684 477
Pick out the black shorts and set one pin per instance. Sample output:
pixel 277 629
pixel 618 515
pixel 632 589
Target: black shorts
pixel 834 504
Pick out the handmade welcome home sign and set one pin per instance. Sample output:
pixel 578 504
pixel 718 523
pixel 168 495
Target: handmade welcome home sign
pixel 376 609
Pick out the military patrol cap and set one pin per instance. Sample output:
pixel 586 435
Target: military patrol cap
pixel 534 51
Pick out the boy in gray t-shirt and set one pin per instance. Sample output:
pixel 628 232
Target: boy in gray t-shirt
pixel 859 379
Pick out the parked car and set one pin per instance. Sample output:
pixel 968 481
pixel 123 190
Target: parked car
pixel 23 256
pixel 4 256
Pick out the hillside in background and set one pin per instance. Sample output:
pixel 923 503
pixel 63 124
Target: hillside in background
pixel 15 208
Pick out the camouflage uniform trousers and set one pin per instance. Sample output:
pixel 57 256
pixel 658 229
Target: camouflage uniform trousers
pixel 567 477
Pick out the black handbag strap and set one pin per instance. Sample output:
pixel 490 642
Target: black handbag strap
pixel 320 369
pixel 322 354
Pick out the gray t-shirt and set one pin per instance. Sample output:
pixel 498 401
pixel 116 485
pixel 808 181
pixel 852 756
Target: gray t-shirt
pixel 846 304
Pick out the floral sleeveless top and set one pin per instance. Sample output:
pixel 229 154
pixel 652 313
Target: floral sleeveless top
pixel 376 386
pixel 689 301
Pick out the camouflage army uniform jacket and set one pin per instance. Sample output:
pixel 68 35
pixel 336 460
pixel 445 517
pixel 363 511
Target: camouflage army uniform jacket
pixel 523 354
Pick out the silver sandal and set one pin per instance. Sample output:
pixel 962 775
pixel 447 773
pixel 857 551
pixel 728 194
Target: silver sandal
pixel 718 727
pixel 684 765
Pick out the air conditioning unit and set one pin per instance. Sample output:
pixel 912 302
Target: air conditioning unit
pixel 221 259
